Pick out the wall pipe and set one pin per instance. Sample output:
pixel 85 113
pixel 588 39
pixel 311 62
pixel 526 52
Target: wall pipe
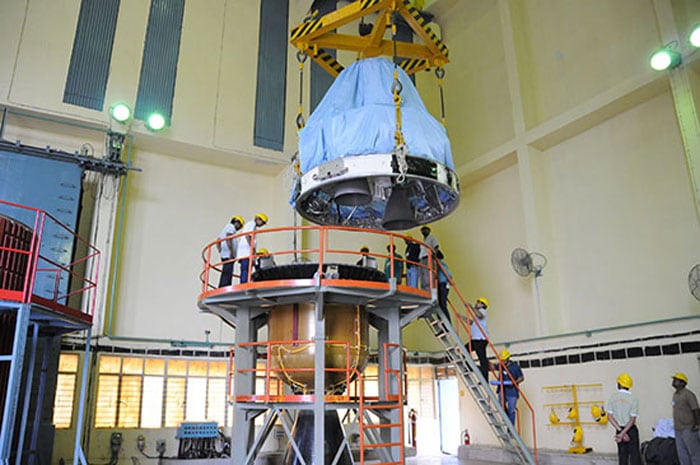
pixel 590 332
pixel 172 342
pixel 118 244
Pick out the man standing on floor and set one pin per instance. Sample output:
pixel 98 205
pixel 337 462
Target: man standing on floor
pixel 686 421
pixel 623 410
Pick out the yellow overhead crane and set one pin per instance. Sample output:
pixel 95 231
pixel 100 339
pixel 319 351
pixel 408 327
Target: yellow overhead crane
pixel 317 34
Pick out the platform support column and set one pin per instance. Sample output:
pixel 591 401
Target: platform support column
pixel 390 367
pixel 78 454
pixel 40 400
pixel 319 381
pixel 244 383
pixel 13 382
pixel 27 393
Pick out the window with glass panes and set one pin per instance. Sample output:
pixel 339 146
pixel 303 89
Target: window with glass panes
pixel 65 390
pixel 143 392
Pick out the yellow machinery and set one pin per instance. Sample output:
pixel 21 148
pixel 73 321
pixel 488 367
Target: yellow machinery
pixel 316 35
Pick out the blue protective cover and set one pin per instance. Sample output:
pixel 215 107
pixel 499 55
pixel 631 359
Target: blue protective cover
pixel 357 117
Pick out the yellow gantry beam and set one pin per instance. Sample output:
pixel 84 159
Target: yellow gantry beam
pixel 316 35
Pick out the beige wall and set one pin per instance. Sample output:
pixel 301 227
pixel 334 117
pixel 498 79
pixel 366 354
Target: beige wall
pixel 571 147
pixel 565 141
pixel 651 376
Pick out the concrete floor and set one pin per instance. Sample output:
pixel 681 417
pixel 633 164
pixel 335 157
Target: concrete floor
pixel 446 460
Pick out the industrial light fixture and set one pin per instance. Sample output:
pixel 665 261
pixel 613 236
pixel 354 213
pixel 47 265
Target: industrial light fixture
pixel 115 145
pixel 155 122
pixel 120 112
pixel 694 37
pixel 665 58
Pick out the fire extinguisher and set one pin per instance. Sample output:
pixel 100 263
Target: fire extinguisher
pixel 413 417
pixel 466 439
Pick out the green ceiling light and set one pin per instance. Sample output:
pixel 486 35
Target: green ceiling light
pixel 155 122
pixel 694 37
pixel 120 112
pixel 665 58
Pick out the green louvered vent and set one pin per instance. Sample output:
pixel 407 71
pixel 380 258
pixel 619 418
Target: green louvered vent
pixel 159 63
pixel 272 75
pixel 321 80
pixel 92 51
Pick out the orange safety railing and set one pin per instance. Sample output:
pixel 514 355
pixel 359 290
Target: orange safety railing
pixel 322 250
pixel 273 384
pixel 24 257
pixel 461 321
pixel 394 401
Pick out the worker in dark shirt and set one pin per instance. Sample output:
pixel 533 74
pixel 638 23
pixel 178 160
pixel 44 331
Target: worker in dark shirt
pixel 412 259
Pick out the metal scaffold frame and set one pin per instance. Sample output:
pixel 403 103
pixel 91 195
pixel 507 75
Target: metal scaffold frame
pixel 391 305
pixel 27 316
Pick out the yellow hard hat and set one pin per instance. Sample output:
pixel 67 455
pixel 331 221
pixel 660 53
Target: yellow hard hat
pixel 239 219
pixel 603 418
pixel 263 251
pixel 578 434
pixel 625 381
pixel 262 216
pixel 681 376
pixel 553 418
pixel 364 248
pixel 484 301
pixel 573 413
pixel 505 355
pixel 599 415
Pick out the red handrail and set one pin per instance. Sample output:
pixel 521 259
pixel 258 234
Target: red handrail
pixel 90 259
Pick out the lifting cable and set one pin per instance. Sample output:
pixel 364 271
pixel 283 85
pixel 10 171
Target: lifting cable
pixel 301 58
pixel 400 149
pixel 439 74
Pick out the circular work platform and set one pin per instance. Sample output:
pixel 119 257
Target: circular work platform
pixel 330 270
pixel 301 283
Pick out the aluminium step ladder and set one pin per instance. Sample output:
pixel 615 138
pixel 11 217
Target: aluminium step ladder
pixel 474 381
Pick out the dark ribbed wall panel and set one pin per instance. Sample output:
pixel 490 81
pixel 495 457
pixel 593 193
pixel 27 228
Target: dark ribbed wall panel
pixel 404 33
pixel 92 51
pixel 272 75
pixel 321 80
pixel 159 63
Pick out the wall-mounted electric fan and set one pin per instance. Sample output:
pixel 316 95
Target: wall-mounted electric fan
pixel 694 281
pixel 525 263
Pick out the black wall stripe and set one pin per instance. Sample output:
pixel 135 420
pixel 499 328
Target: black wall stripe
pixel 92 51
pixel 159 63
pixel 404 33
pixel 320 79
pixel 647 346
pixel 268 131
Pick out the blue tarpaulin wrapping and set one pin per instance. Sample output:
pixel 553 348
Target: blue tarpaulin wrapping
pixel 357 117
